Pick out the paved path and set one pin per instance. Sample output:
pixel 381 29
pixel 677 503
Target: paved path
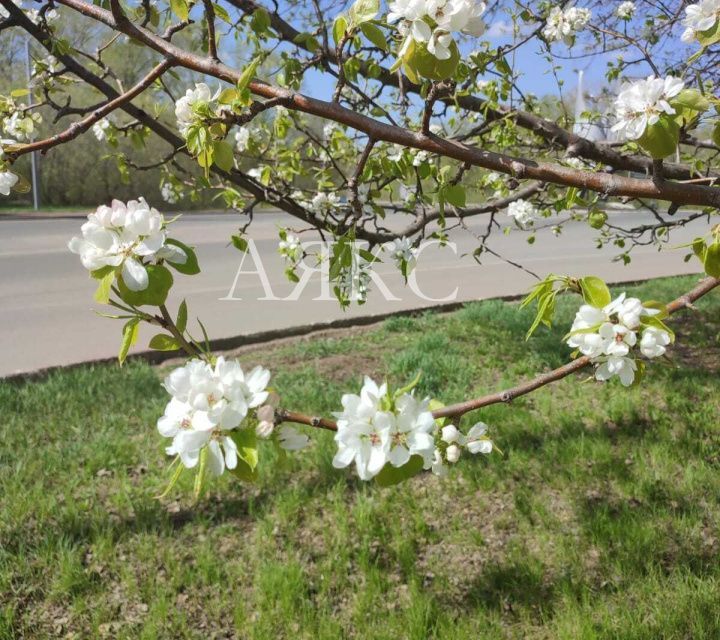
pixel 46 304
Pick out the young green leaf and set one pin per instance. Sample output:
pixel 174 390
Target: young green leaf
pixel 164 342
pixel 129 338
pixel 594 291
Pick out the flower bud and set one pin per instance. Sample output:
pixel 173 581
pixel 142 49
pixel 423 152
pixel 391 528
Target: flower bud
pixel 450 433
pixel 264 429
pixel 453 453
pixel 266 413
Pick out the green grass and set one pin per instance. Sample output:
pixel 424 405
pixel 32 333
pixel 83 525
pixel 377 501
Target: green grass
pixel 599 521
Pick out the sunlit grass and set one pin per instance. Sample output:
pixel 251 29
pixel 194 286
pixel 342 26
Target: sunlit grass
pixel 600 520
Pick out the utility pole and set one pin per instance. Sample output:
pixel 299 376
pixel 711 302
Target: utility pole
pixel 33 155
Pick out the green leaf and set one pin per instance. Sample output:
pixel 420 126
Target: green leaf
pixel 20 93
pixel 712 260
pixel 594 291
pixel 545 312
pixel 260 22
pixel 661 139
pixel 202 466
pixel 223 155
pixel 390 475
pixel 244 472
pixel 339 28
pixel 159 282
pixel 190 267
pixel 455 195
pixel 239 243
pixel 248 73
pixel 228 96
pixel 102 293
pixel 22 185
pixel 363 11
pixel 164 342
pixel 691 99
pixel 709 37
pixel 375 35
pixel 246 442
pixel 180 9
pixel 182 316
pixel 716 134
pixel 222 14
pixel 129 338
pixel 425 64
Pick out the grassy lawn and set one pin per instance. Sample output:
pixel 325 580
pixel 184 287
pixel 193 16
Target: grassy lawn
pixel 599 521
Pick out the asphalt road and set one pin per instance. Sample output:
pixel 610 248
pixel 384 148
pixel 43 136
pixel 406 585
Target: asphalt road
pixel 46 305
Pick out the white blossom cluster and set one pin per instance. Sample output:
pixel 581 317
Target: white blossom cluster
pixel 608 336
pixel 21 126
pixel 562 25
pixel 100 129
pixel 7 181
pixel 432 22
pixel 289 247
pixel 700 17
pixel 375 430
pixel 170 193
pixel 242 139
pixel 523 211
pixel 625 10
pixel 129 236
pixel 324 203
pixel 186 107
pixel 640 104
pixel 207 404
pixel 402 252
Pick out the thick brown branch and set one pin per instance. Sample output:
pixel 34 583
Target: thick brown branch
pixel 604 183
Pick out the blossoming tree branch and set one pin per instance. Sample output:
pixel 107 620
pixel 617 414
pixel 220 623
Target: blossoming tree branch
pixel 423 114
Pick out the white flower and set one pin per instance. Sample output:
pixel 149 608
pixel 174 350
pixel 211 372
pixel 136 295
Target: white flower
pixel 437 466
pixel 242 137
pixel 372 436
pixel 450 434
pixel 625 10
pixel 185 107
pixel 7 182
pixel 629 310
pixel 653 342
pixel 207 403
pixel 449 16
pixel 292 440
pixel 363 431
pixel 640 104
pixel 22 126
pixel 122 235
pixel 618 339
pixel 402 250
pixel 562 25
pixel 452 453
pixel 524 212
pixel 168 193
pixel 589 343
pixel 411 431
pixel 439 44
pixel 324 202
pixel 700 17
pixel 255 173
pixel 420 158
pixel 620 366
pixel 100 128
pixel 476 441
pixel 266 421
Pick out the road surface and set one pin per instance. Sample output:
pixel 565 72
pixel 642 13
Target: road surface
pixel 46 305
